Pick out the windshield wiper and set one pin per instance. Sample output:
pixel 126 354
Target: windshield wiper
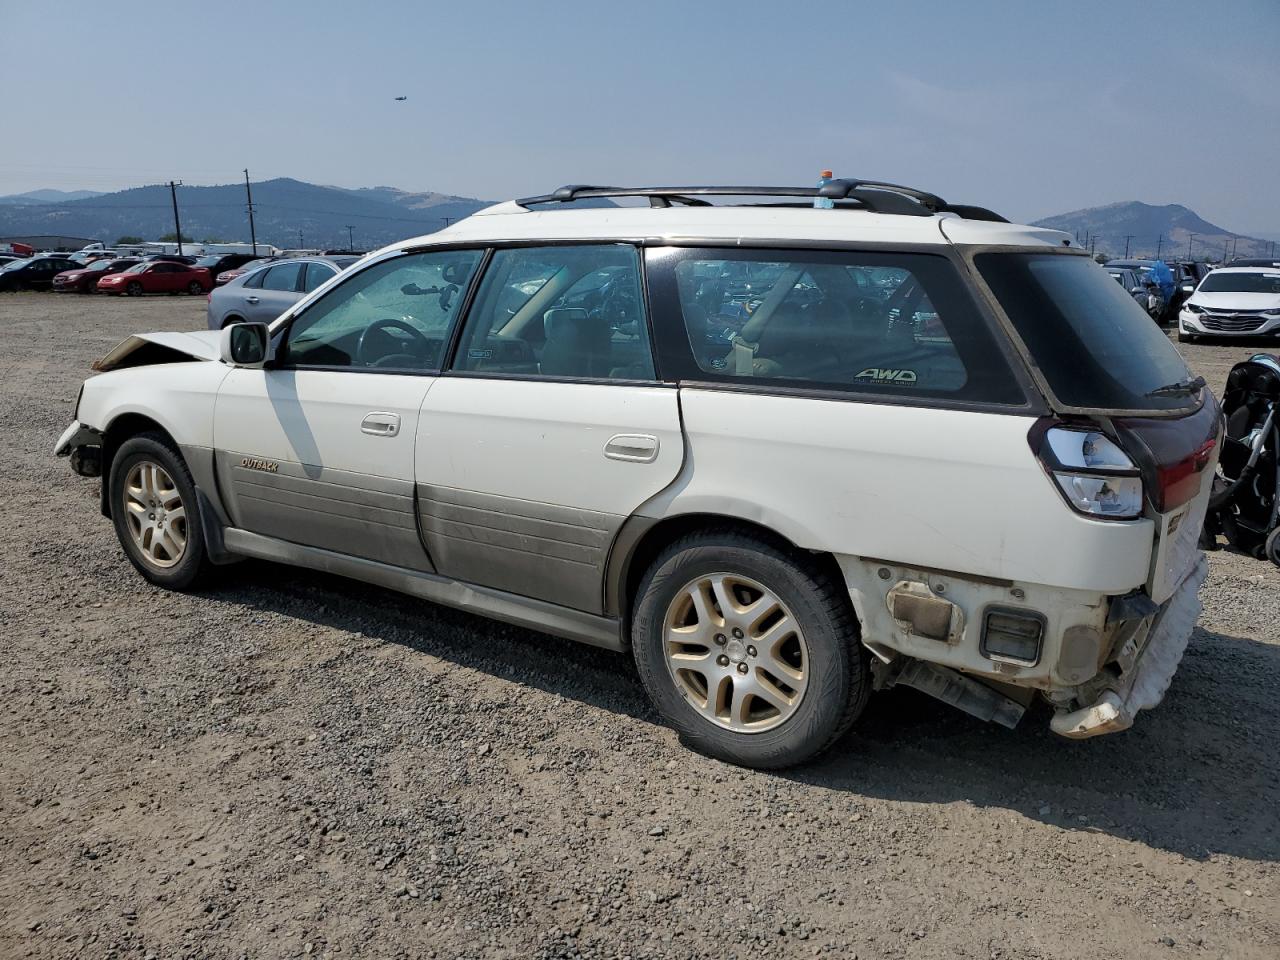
pixel 1181 388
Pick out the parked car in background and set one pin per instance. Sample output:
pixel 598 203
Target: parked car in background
pixel 9 258
pixel 1233 302
pixel 265 293
pixel 85 279
pixel 1255 262
pixel 33 273
pixel 219 263
pixel 157 276
pixel 1131 280
pixel 172 258
pixel 226 276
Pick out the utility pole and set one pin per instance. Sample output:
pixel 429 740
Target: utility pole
pixel 177 225
pixel 1127 238
pixel 1190 237
pixel 301 245
pixel 1159 245
pixel 1224 252
pixel 351 237
pixel 253 234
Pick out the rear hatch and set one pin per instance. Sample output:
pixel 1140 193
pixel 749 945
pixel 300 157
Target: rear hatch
pixel 1103 363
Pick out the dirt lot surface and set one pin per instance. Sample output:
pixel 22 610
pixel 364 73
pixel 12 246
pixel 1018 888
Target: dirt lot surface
pixel 291 765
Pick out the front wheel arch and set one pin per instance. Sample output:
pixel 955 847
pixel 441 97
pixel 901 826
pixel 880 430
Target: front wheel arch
pixel 116 433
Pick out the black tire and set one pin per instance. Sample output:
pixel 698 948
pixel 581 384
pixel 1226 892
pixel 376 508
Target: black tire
pixel 134 288
pixel 1271 549
pixel 838 667
pixel 194 288
pixel 232 319
pixel 193 567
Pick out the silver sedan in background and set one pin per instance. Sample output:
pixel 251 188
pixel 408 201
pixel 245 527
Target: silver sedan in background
pixel 263 294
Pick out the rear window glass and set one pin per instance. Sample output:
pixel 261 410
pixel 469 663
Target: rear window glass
pixel 1241 283
pixel 875 322
pixel 1095 345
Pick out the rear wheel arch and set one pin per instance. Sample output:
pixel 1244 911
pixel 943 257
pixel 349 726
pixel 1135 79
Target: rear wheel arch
pixel 231 318
pixel 642 540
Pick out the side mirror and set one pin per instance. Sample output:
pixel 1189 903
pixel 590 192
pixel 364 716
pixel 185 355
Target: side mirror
pixel 1188 288
pixel 245 345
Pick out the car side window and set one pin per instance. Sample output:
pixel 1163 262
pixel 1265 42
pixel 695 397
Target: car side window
pixel 860 321
pixel 394 315
pixel 254 280
pixel 317 273
pixel 283 277
pixel 562 311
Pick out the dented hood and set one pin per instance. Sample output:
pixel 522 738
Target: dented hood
pixel 147 348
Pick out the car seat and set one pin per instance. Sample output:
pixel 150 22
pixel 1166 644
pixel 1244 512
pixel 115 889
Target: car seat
pixel 576 346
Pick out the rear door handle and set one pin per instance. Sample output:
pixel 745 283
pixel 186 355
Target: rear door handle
pixel 632 447
pixel 381 424
pixel 251 299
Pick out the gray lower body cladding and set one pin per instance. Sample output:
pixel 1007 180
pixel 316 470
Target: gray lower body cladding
pixel 538 550
pixel 541 550
pixel 351 513
pixel 509 608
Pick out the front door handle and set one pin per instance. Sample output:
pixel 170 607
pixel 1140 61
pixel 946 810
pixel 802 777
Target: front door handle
pixel 632 447
pixel 381 424
pixel 251 299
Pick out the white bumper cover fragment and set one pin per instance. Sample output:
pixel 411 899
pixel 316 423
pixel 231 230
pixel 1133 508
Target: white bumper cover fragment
pixel 1145 685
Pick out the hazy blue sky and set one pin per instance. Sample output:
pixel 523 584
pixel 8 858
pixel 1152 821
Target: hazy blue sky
pixel 1030 108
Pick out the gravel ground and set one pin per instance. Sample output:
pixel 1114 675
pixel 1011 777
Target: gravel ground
pixel 292 765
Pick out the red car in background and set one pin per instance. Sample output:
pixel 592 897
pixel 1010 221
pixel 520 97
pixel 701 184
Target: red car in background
pixel 157 276
pixel 85 279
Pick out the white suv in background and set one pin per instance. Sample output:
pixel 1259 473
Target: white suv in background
pixel 786 456
pixel 1233 302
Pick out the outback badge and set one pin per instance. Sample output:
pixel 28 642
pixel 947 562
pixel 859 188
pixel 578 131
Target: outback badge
pixel 253 463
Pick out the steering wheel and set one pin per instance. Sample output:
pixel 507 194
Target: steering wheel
pixel 389 323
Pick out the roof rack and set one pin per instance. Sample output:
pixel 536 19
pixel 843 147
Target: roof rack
pixel 870 195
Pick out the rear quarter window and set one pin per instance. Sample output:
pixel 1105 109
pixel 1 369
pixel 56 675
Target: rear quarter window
pixel 897 324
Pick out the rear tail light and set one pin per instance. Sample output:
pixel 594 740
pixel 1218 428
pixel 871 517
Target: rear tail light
pixel 1180 482
pixel 1092 473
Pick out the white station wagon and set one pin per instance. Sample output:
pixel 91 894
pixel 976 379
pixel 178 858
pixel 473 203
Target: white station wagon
pixel 784 455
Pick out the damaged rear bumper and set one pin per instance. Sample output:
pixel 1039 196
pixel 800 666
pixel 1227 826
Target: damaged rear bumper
pixel 1146 663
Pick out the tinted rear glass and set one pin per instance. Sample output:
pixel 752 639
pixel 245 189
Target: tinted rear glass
pixel 1096 347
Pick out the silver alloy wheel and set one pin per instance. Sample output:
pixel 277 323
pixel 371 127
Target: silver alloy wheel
pixel 155 514
pixel 735 652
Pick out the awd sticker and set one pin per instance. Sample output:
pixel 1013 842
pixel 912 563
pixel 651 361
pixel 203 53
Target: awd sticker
pixel 884 375
pixel 253 463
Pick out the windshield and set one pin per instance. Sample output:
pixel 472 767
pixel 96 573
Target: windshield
pixel 138 267
pixel 15 265
pixel 1095 346
pixel 1219 282
pixel 209 261
pixel 99 265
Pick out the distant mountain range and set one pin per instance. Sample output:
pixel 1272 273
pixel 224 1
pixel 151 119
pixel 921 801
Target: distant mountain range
pixel 287 213
pixel 49 196
pixel 1171 231
pixel 291 213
